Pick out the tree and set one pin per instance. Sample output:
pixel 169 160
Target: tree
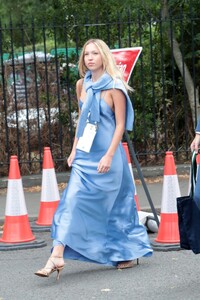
pixel 192 90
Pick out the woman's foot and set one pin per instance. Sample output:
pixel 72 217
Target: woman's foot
pixel 125 264
pixel 54 263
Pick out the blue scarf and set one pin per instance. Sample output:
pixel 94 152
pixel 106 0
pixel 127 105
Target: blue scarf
pixel 92 102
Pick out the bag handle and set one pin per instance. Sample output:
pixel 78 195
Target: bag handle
pixel 193 173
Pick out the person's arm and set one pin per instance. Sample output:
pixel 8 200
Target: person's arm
pixel 71 157
pixel 196 141
pixel 119 106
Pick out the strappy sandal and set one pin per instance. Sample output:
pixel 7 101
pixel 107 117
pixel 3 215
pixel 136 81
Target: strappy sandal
pixel 50 267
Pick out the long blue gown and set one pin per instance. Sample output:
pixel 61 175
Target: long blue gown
pixel 97 219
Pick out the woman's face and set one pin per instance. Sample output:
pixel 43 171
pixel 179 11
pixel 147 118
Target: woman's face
pixel 92 58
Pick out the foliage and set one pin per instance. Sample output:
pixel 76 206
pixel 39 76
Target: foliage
pixel 158 100
pixel 46 122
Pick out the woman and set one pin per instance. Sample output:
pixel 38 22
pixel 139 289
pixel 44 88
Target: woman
pixel 97 219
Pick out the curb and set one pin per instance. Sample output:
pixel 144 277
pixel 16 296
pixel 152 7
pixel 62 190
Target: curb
pixel 148 172
pixel 35 180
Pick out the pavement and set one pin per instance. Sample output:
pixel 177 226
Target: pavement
pixel 153 179
pixel 166 275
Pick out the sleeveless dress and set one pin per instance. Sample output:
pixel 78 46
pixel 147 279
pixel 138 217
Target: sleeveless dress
pixel 97 219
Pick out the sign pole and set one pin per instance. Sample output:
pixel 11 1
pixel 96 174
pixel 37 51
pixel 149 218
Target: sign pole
pixel 126 59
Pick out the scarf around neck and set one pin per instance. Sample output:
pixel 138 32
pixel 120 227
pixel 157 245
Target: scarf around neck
pixel 91 106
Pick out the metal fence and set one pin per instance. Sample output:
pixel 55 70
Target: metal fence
pixel 38 105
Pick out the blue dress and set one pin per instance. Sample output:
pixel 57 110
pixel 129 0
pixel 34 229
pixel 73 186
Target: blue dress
pixel 97 219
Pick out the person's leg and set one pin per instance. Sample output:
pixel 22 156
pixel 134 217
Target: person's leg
pixel 54 263
pixel 58 251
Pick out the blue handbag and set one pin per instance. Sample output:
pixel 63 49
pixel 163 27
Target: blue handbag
pixel 189 214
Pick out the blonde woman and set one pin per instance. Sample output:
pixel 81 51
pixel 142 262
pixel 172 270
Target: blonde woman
pixel 96 220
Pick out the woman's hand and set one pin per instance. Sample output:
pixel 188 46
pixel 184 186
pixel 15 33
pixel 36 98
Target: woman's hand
pixel 104 164
pixel 71 158
pixel 195 143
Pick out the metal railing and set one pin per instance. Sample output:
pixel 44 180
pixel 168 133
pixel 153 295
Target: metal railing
pixel 38 105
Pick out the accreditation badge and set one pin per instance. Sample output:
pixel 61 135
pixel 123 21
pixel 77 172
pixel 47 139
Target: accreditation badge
pixel 86 140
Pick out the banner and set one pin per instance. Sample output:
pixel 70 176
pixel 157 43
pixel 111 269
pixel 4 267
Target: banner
pixel 126 59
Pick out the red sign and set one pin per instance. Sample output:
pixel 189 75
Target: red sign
pixel 126 59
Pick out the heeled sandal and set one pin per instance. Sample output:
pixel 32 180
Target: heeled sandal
pixel 50 267
pixel 127 264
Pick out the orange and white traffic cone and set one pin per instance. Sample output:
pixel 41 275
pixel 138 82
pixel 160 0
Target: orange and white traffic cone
pixel 17 232
pixel 50 194
pixel 168 232
pixel 125 145
pixel 16 226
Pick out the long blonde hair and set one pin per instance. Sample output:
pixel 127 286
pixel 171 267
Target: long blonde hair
pixel 109 64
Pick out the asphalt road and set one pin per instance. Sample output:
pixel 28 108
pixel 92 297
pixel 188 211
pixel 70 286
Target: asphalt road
pixel 167 275
pixel 170 275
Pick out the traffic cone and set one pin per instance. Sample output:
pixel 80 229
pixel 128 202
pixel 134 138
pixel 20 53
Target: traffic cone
pixel 125 145
pixel 16 226
pixel 168 232
pixel 50 194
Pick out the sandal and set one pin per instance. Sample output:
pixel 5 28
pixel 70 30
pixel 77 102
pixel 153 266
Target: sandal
pixel 51 266
pixel 126 264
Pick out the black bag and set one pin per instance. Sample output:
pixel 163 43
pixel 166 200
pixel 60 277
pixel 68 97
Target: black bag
pixel 189 216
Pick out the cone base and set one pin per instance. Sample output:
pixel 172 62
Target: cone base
pixel 25 245
pixel 39 228
pixel 168 231
pixel 165 247
pixel 17 230
pixel 46 213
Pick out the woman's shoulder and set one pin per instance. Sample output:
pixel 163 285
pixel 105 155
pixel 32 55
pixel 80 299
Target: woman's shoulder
pixel 79 83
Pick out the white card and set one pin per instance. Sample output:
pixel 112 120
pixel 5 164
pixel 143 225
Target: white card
pixel 86 140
